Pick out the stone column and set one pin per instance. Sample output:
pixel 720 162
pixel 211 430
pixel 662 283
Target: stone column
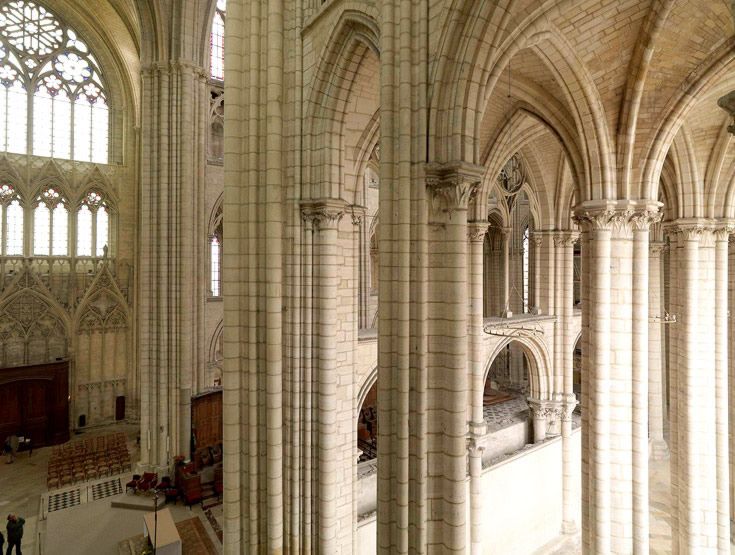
pixel 615 269
pixel 326 216
pixel 477 232
pixel 722 235
pixel 540 412
pixel 506 310
pixel 695 478
pixel 568 401
pixel 641 222
pixel 172 237
pixel 657 447
pixel 450 188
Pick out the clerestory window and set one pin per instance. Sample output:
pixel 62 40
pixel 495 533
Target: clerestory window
pixel 52 97
pixel 217 42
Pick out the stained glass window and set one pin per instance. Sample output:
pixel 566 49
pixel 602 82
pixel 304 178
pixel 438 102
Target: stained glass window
pixel 50 224
pixel 217 42
pixel 92 225
pixel 215 254
pixel 68 115
pixel 11 221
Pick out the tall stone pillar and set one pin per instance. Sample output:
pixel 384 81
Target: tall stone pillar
pixel 450 188
pixel 723 231
pixel 614 376
pixel 326 216
pixel 658 449
pixel 567 400
pixel 640 274
pixel 477 232
pixel 694 475
pixel 506 234
pixel 172 239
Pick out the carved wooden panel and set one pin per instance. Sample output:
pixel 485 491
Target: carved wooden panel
pixel 206 418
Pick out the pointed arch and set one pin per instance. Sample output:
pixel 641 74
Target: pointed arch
pixel 355 37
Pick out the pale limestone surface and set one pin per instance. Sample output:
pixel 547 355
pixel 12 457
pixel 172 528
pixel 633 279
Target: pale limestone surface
pixel 357 176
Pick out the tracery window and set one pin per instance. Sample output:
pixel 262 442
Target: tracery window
pixel 217 42
pixel 526 237
pixel 50 83
pixel 50 224
pixel 215 245
pixel 11 221
pixel 93 224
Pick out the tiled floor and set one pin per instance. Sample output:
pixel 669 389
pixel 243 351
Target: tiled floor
pixel 500 415
pixel 23 482
pixel 23 491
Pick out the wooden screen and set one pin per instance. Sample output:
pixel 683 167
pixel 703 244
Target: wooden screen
pixel 206 418
pixel 34 402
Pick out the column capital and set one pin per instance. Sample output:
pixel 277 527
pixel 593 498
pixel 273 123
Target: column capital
pixel 565 238
pixel 537 238
pixel 724 227
pixel 476 231
pixel 358 213
pixel 689 229
pixel 617 215
pixel 323 213
pixel 454 185
pixel 656 247
pixel 541 408
pixel 473 447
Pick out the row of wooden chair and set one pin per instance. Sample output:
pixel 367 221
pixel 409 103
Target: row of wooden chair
pixel 88 459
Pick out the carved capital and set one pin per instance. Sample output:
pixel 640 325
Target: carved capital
pixel 724 228
pixel 656 248
pixel 453 186
pixel 323 213
pixel 689 229
pixel 540 409
pixel 565 238
pixel 474 448
pixel 620 217
pixel 476 231
pixel 537 238
pixel 358 213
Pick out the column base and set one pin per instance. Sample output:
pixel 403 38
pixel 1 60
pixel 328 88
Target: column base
pixel 658 450
pixel 569 527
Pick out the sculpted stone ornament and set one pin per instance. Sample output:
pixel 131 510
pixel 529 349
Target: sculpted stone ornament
pixel 476 231
pixel 621 217
pixel 453 186
pixel 323 213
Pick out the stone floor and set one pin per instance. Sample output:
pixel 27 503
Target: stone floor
pixel 23 489
pixel 500 415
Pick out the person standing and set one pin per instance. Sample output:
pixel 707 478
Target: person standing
pixel 15 533
pixel 12 446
